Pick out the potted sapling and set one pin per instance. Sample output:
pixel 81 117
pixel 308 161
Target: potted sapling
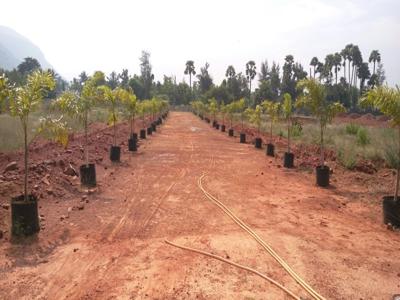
pixel 313 97
pixel 287 114
pixel 272 109
pixel 113 98
pixel 131 106
pixel 153 111
pixel 223 109
pixel 213 109
pixel 78 106
pixel 22 102
pixel 255 119
pixel 240 107
pixel 230 110
pixel 387 101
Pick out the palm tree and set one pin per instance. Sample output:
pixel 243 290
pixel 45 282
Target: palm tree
pixel 314 62
pixel 190 71
pixel 364 74
pixel 250 72
pixel 349 55
pixel 374 57
pixel 337 62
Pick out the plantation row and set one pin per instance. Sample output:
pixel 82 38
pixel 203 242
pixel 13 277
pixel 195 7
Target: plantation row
pixel 21 101
pixel 312 98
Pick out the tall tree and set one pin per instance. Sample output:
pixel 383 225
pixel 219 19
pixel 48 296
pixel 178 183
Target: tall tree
pixel 250 72
pixel 230 72
pixel 147 76
pixel 123 78
pixel 374 57
pixel 364 74
pixel 28 66
pixel 190 70
pixel 113 80
pixel 314 63
pixel 205 80
pixel 337 62
pixel 264 72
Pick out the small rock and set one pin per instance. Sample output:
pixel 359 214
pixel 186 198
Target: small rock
pixel 61 163
pixel 6 206
pixel 69 209
pixel 84 197
pixel 68 151
pixel 11 166
pixel 63 217
pixel 36 187
pixel 50 162
pixel 50 191
pixel 70 171
pixel 45 180
pixel 81 207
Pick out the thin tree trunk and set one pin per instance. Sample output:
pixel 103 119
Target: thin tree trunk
pixel 25 126
pixel 288 136
pixel 344 70
pixel 396 191
pixel 115 132
pixel 322 147
pixel 336 71
pixel 270 132
pixel 374 67
pixel 86 140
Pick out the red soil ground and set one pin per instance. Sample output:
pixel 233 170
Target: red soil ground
pixel 109 243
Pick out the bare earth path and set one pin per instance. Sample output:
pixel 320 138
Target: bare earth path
pixel 114 248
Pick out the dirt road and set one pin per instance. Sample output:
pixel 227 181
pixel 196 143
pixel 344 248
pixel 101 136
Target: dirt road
pixel 114 248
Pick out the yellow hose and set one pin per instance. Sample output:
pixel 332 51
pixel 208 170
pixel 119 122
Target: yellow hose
pixel 239 222
pixel 237 265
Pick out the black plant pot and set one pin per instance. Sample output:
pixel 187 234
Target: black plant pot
pixel 217 126
pixel 132 145
pixel 288 160
pixel 115 153
pixel 391 211
pixel 134 136
pixel 230 132
pixel 214 123
pixel 88 175
pixel 24 216
pixel 142 133
pixel 153 127
pixel 159 121
pixel 258 143
pixel 149 131
pixel 223 128
pixel 322 173
pixel 242 138
pixel 270 150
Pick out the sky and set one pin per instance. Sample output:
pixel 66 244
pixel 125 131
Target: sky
pixel 77 35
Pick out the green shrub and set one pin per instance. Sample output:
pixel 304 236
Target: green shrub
pixel 347 158
pixel 352 128
pixel 362 137
pixel 392 155
pixel 297 129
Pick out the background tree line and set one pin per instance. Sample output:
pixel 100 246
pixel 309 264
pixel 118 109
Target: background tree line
pixel 345 74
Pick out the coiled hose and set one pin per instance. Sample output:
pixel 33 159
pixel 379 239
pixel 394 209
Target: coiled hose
pixel 239 222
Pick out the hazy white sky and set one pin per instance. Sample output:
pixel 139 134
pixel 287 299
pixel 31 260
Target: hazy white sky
pixel 90 35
